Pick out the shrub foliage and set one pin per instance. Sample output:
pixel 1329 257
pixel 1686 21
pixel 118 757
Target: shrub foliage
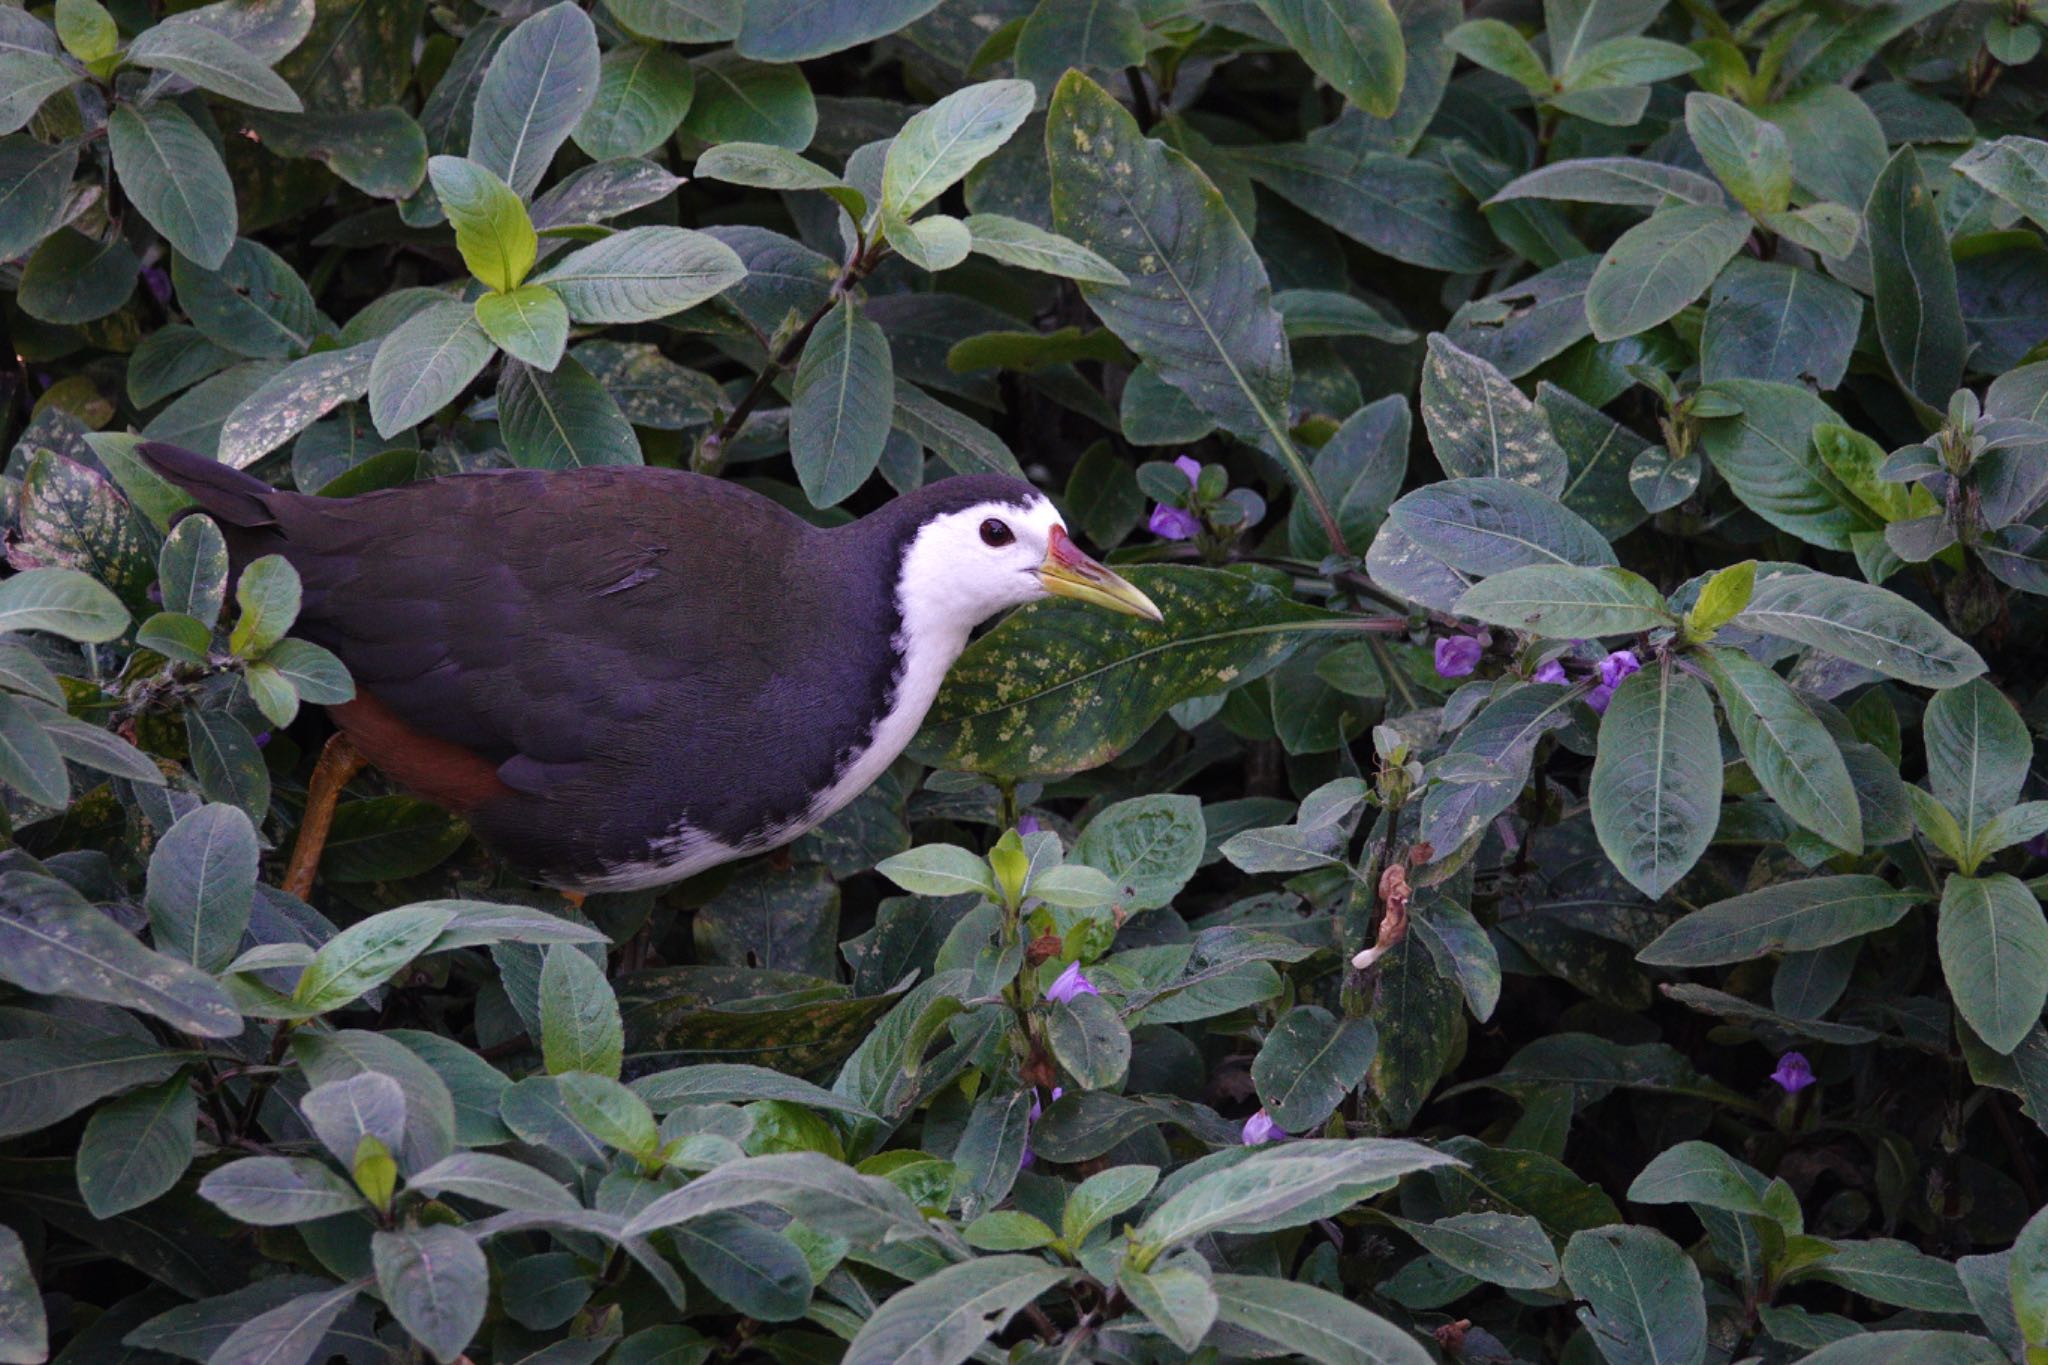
pixel 1554 888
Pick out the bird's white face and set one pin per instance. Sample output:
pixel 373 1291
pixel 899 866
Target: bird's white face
pixel 963 567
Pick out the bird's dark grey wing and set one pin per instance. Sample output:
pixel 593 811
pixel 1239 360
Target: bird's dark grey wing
pixel 540 619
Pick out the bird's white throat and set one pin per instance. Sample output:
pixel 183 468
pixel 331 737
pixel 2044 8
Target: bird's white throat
pixel 950 582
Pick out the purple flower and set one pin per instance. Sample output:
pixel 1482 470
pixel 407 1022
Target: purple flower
pixel 1071 982
pixel 1028 1156
pixel 1173 523
pixel 1552 672
pixel 262 738
pixel 1617 666
pixel 1599 697
pixel 1177 523
pixel 2037 847
pixel 1028 824
pixel 1457 655
pixel 1793 1074
pixel 1261 1128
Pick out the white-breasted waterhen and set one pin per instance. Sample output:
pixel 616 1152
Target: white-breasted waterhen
pixel 623 676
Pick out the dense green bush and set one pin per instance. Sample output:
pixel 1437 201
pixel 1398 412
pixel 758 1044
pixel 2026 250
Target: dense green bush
pixel 1553 889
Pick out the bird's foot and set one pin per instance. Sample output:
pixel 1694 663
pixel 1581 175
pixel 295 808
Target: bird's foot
pixel 339 763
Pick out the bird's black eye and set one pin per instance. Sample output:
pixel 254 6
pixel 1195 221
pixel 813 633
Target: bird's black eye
pixel 997 532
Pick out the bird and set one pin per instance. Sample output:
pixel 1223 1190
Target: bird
pixel 623 676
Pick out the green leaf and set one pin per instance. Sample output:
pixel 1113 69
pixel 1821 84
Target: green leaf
pixel 1656 786
pixel 365 955
pixel 1501 48
pixel 1750 156
pixel 1176 1298
pixel 1030 247
pixel 1087 35
pixel 63 602
pixel 1978 754
pixel 938 146
pixel 268 595
pixel 642 274
pixel 1644 1300
pixel 1994 953
pixel 1791 917
pixel 760 1272
pixel 840 406
pixel 1148 846
pixel 1008 1230
pixel 531 324
pixel 293 399
pixel 424 364
pixel 27 80
pixel 253 303
pixel 1919 317
pixel 1702 1174
pixel 1613 65
pixel 1861 623
pixel 29 759
pixel 202 882
pixel 938 870
pixel 1198 308
pixel 1911 1346
pixel 492 231
pixel 680 21
pixel 946 1317
pixel 497 1181
pixel 33 179
pixel 175 179
pixel 342 1113
pixel 436 1283
pixel 213 61
pixel 1509 1250
pixel 613 1114
pixel 24 1330
pixel 1566 602
pixel 278 1191
pixel 643 93
pixel 742 101
pixel 562 419
pixel 1089 1039
pixel 1282 1186
pixel 290 1332
pixel 381 152
pixel 827 1194
pixel 796 30
pixel 136 1147
pixel 769 167
pixel 53 942
pixel 192 570
pixel 2013 168
pixel 227 762
pixel 1052 691
pixel 1103 1196
pixel 1307 1321
pixel 1659 266
pixel 44 1081
pixel 1894 1273
pixel 1723 595
pixel 1355 45
pixel 1481 426
pixel 86 30
pixel 1309 1062
pixel 579 1015
pixel 1789 751
pixel 1612 180
pixel 535 90
pixel 1486 526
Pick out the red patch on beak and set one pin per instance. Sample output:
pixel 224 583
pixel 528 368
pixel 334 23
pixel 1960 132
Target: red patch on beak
pixel 1060 549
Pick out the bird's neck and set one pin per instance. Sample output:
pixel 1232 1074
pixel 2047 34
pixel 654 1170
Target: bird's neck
pixel 929 637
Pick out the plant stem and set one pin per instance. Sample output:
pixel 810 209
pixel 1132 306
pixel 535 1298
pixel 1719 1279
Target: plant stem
pixel 709 455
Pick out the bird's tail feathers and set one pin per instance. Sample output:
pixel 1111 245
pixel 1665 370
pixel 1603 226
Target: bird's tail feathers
pixel 227 495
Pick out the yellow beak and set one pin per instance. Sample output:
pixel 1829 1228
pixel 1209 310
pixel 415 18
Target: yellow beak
pixel 1067 572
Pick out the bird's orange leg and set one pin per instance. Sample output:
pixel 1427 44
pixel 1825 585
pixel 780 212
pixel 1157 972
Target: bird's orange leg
pixel 339 763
